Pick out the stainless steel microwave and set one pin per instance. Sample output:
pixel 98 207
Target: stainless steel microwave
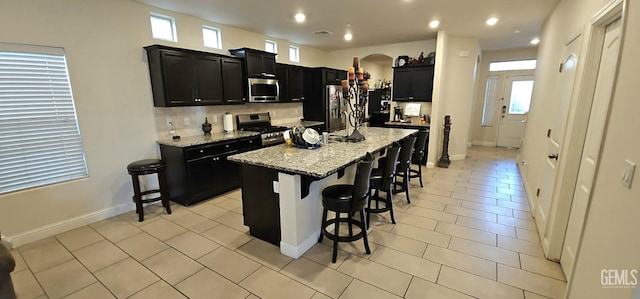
pixel 264 90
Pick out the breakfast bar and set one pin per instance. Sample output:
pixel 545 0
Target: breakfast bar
pixel 281 185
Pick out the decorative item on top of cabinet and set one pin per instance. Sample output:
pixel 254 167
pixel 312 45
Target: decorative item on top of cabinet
pixel 181 77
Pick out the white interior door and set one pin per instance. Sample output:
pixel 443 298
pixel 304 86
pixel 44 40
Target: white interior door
pixel 591 150
pixel 515 106
pixel 557 123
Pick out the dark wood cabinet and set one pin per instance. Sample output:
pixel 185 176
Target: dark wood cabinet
pixel 291 82
pixel 233 81
pixel 334 77
pixel 413 83
pixel 197 173
pixel 257 63
pixel 182 77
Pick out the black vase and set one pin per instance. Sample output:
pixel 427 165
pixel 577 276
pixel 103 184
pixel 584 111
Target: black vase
pixel 206 127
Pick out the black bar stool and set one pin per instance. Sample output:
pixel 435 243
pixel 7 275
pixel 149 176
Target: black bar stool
pixel 404 163
pixel 347 199
pixel 382 179
pixel 144 167
pixel 419 152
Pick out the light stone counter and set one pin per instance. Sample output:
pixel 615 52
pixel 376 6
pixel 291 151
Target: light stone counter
pixel 204 139
pixel 325 160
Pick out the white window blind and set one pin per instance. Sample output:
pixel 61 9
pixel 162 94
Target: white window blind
pixel 40 141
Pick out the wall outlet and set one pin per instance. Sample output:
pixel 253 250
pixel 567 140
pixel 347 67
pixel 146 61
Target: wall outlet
pixel 276 187
pixel 272 113
pixel 296 111
pixel 187 121
pixel 169 121
pixel 215 118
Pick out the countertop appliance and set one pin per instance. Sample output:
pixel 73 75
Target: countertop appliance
pixel 336 118
pixel 261 123
pixel 263 90
pixel 397 113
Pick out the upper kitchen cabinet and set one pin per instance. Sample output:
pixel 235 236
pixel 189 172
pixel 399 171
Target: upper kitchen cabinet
pixel 232 81
pixel 413 83
pixel 291 81
pixel 182 77
pixel 333 76
pixel 257 63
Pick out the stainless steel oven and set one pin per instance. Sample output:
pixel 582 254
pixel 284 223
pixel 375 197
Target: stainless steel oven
pixel 264 90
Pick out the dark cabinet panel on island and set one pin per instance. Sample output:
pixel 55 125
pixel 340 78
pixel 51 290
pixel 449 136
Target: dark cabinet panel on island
pixel 181 77
pixel 199 172
pixel 413 83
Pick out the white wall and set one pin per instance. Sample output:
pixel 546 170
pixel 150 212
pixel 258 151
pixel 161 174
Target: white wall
pixel 610 235
pixel 609 238
pixel 487 135
pixel 104 43
pixel 454 97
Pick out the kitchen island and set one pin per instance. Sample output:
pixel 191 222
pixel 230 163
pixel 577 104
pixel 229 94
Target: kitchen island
pixel 281 186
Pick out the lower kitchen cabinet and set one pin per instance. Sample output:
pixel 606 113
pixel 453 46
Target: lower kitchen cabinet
pixel 199 172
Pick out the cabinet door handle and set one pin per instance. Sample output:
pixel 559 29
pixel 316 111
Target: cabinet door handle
pixel 268 75
pixel 201 151
pixel 226 146
pixel 410 98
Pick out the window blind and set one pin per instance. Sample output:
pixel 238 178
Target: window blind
pixel 40 141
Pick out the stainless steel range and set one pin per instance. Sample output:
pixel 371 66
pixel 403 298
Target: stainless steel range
pixel 261 122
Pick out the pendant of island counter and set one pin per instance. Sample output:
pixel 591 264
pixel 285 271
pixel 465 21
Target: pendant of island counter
pixel 281 185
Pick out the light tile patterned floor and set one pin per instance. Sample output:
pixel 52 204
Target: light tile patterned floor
pixel 467 234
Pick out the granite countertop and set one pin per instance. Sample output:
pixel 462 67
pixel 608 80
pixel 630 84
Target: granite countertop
pixel 306 123
pixel 408 125
pixel 204 139
pixel 325 160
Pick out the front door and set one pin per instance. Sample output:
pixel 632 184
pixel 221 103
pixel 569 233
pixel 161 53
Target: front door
pixel 555 134
pixel 591 149
pixel 515 106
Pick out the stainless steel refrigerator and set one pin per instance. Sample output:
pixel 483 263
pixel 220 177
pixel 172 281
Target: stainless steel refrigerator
pixel 323 97
pixel 337 109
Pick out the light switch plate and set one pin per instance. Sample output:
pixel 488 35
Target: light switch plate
pixel 629 171
pixel 215 118
pixel 187 121
pixel 169 121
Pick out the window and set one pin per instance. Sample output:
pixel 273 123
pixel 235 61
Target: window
pixel 294 54
pixel 163 27
pixel 520 100
pixel 490 97
pixel 271 46
pixel 211 37
pixel 517 65
pixel 40 139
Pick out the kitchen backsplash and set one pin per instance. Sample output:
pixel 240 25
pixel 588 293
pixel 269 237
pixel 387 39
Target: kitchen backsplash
pixel 280 113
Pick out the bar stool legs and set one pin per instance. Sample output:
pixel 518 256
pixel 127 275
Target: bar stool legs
pixel 145 167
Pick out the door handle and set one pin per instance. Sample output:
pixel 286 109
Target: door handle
pixel 554 156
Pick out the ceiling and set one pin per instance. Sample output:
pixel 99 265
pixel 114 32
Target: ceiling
pixel 375 22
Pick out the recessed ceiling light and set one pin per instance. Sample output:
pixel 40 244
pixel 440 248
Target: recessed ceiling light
pixel 348 36
pixel 535 41
pixel 300 17
pixel 492 21
pixel 434 24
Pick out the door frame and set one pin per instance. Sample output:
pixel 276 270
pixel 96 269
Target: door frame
pixel 575 133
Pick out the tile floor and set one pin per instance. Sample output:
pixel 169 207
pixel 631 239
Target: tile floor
pixel 467 234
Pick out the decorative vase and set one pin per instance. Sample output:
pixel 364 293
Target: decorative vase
pixel 206 127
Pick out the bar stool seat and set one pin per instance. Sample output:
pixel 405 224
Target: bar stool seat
pixel 347 199
pixel 382 179
pixel 146 167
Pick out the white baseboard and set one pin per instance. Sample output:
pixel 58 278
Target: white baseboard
pixel 483 143
pixel 457 157
pixel 297 251
pixel 66 225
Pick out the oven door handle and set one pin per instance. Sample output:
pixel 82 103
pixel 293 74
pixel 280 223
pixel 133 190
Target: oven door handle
pixel 268 75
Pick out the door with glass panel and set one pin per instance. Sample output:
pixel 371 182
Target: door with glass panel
pixel 514 109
